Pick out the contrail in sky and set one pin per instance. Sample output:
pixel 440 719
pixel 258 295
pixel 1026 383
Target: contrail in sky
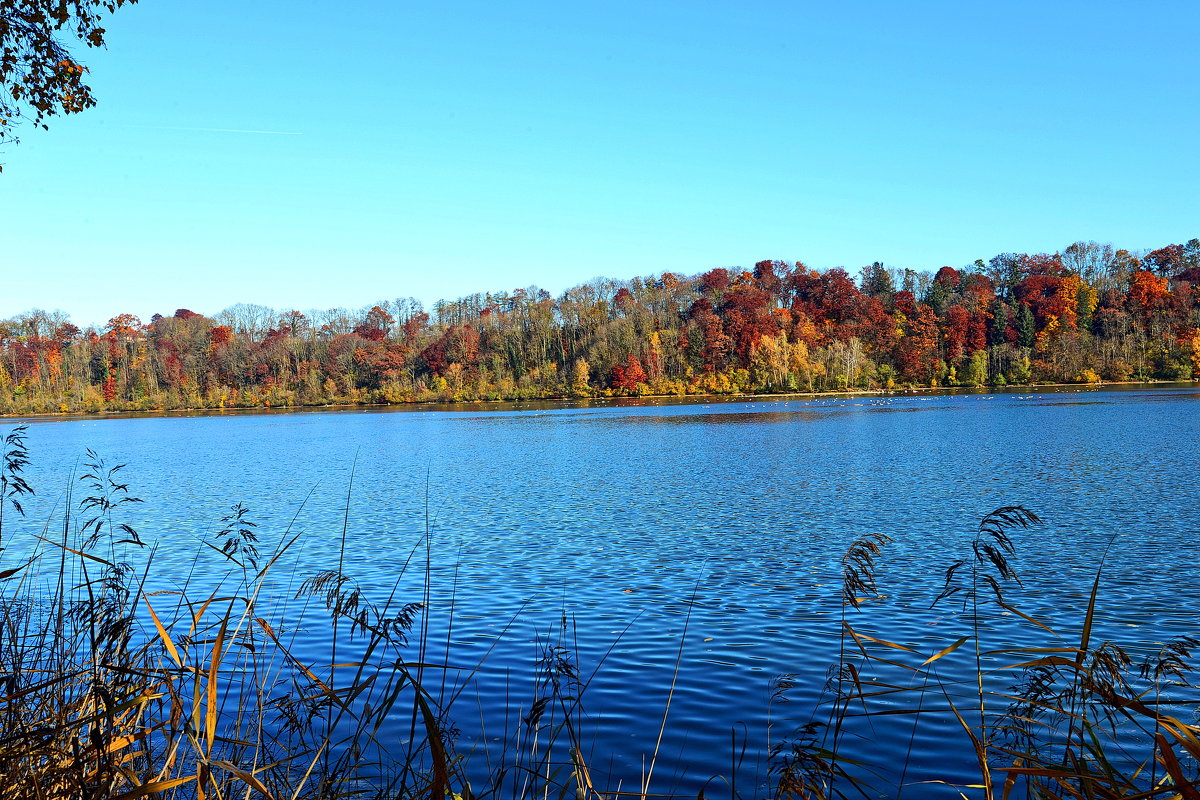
pixel 224 130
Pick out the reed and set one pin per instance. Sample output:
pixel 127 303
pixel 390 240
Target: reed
pixel 1069 718
pixel 114 685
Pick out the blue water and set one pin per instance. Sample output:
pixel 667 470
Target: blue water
pixel 694 544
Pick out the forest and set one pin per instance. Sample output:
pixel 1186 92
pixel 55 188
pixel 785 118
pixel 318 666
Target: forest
pixel 1090 314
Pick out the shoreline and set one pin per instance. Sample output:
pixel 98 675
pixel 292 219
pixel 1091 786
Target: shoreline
pixel 514 405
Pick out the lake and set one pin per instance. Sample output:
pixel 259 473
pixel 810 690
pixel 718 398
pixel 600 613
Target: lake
pixel 697 538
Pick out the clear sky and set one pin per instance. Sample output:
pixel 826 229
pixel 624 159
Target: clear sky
pixel 309 155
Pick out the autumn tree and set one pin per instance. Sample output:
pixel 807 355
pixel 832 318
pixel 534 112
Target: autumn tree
pixel 457 345
pixel 706 337
pixel 917 351
pixel 769 275
pixel 293 322
pixel 39 77
pixel 1166 261
pixel 219 335
pixel 714 281
pixel 747 318
pixel 66 333
pixel 181 349
pixel 123 326
pixel 623 301
pixel 627 376
pixel 955 325
pixel 780 365
pixel 1147 292
pixel 375 325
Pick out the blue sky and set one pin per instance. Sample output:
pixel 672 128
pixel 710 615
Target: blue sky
pixel 439 149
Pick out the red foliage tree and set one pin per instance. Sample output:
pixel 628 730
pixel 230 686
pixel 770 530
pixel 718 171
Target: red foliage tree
pixel 715 280
pixel 917 351
pixel 1166 261
pixel 955 329
pixel 947 276
pixel 1043 264
pixel 219 335
pixel 293 322
pixel 66 333
pixel 626 377
pixel 414 325
pixel 458 344
pixel 978 291
pixel 716 343
pixel 746 318
pixel 872 324
pixel 769 276
pixel 375 325
pixel 1039 291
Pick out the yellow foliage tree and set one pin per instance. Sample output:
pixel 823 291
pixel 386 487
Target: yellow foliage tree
pixel 1068 296
pixel 1196 355
pixel 1047 334
pixel 579 379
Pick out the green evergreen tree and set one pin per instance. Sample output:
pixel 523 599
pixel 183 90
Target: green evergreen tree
pixel 998 324
pixel 1025 327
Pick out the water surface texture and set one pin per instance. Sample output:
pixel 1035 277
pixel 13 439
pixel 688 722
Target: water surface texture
pixel 703 536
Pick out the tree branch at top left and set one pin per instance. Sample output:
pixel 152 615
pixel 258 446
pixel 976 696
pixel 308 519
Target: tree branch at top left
pixel 39 76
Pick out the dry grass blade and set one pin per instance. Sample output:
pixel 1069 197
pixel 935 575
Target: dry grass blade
pixel 1014 610
pixel 8 573
pixel 945 651
pixel 979 748
pixel 863 637
pixel 246 777
pixel 441 761
pixel 211 688
pixel 80 553
pixel 154 787
pixel 1089 617
pixel 163 635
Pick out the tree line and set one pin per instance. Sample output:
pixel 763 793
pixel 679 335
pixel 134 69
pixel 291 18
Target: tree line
pixel 1088 314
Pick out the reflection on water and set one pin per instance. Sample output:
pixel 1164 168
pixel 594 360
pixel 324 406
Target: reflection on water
pixel 639 520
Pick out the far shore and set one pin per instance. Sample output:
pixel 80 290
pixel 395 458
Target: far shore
pixel 616 401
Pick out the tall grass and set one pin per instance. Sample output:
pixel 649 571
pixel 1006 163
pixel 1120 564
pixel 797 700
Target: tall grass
pixel 1069 718
pixel 115 690
pixel 114 685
